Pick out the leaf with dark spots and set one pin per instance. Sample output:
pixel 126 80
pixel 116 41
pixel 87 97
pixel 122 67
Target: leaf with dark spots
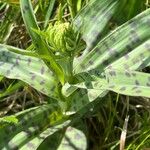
pixel 27 68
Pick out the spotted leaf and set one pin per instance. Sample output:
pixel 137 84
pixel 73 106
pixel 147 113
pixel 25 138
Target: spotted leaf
pixel 73 139
pixel 131 83
pixel 119 43
pixel 28 69
pixel 92 20
pixel 33 126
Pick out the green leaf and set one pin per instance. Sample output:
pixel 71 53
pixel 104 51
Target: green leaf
pixel 125 82
pixel 41 47
pixel 128 9
pixel 73 139
pixel 53 140
pixel 82 97
pixel 92 20
pixel 33 127
pixel 138 58
pixel 9 119
pixel 117 44
pixel 49 132
pixel 131 83
pixel 30 70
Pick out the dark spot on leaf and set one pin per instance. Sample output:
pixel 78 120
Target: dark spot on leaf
pixel 97 72
pixel 24 11
pixel 147 46
pixel 95 84
pixel 138 91
pixel 111 86
pixel 126 56
pixel 13 66
pixel 17 60
pixel 127 74
pixel 129 48
pixel 113 39
pixel 3 53
pixel 123 89
pixel 105 62
pixel 42 82
pixel 95 33
pixel 112 73
pixel 14 146
pixel 33 77
pixel 88 84
pixel 148 84
pixel 26 7
pixel 91 62
pixel 8 72
pixel 126 66
pixel 134 88
pixel 24 122
pixel 29 61
pixel 2 63
pixel 137 82
pixel 106 45
pixel 97 50
pixel 83 66
pixel 42 70
pixel 142 56
pixel 134 74
pixel 37 45
pixel 135 38
pixel 31 145
pixel 133 25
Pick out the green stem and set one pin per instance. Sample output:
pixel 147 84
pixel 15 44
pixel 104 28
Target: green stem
pixel 69 70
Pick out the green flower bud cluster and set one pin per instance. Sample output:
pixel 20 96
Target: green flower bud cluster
pixel 61 37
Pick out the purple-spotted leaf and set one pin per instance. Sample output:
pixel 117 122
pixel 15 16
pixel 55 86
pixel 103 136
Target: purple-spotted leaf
pixel 138 58
pixel 33 126
pixel 125 82
pixel 82 97
pixel 73 139
pixel 131 83
pixel 117 44
pixel 36 141
pixel 28 69
pixel 92 20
